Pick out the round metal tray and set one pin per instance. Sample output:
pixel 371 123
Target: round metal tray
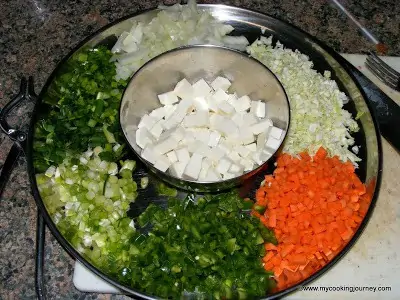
pixel 251 24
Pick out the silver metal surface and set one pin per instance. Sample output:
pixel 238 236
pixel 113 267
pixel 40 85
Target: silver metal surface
pixel 162 73
pixel 383 71
pixel 250 24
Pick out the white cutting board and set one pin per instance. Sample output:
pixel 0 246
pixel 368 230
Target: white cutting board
pixel 371 262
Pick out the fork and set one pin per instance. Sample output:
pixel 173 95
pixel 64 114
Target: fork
pixel 383 71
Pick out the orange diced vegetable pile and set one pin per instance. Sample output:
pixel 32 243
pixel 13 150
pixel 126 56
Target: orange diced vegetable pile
pixel 314 206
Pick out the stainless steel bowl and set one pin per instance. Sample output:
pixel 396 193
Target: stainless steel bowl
pixel 159 75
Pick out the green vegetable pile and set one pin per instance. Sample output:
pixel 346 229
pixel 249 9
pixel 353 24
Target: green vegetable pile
pixel 80 110
pixel 88 199
pixel 209 247
pixel 204 247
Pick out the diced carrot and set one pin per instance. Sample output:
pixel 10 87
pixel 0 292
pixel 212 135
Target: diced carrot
pixel 298 259
pixel 292 268
pixel 357 219
pixel 287 249
pixel 314 206
pixel 321 153
pixel 268 256
pixel 346 235
pixel 277 271
pixel 270 246
pixel 268 266
pixel 276 261
pixel 272 220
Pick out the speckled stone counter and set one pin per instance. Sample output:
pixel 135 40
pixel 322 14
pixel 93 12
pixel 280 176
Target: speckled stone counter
pixel 35 35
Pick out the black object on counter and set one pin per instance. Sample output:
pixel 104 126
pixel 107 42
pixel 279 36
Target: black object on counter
pixel 387 112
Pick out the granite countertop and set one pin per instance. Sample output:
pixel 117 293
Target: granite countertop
pixel 35 35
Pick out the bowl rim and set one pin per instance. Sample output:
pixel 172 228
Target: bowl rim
pixel 247 174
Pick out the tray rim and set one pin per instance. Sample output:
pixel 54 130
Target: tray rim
pixel 129 291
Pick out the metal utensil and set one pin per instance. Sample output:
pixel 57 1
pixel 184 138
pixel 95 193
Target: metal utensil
pixel 379 46
pixel 383 71
pixel 26 93
pixel 159 75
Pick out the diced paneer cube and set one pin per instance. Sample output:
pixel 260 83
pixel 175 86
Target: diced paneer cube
pixel 223 165
pixel 144 137
pixel 215 136
pixel 215 154
pixel 193 167
pixel 198 119
pixel 205 165
pixel 236 168
pixel 166 145
pixel 183 89
pixel 220 96
pixel 212 104
pixel 242 150
pixel 169 110
pixel 212 175
pixel 245 135
pixel 276 132
pixel 234 156
pixel 177 133
pixel 223 125
pixel 232 99
pixel 238 118
pixel 177 116
pixel 201 104
pixel 201 88
pixel 158 113
pixel 260 111
pixel 261 140
pixel 172 156
pixel 221 83
pixel 157 129
pixel 272 144
pixel 261 126
pixel 265 155
pixel 200 148
pixel 252 147
pixel 249 119
pixel 228 175
pixel 248 164
pixel 243 104
pixel 257 158
pixel 150 155
pixel 168 98
pixel 177 168
pixel 183 154
pixel 203 135
pixel 162 163
pixel 147 121
pixel 226 108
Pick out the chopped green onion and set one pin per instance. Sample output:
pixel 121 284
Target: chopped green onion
pixel 144 182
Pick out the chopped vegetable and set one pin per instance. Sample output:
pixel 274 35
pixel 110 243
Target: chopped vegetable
pixel 206 248
pixel 317 114
pixel 164 190
pixel 84 103
pixel 88 202
pixel 315 205
pixel 144 182
pixel 174 26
